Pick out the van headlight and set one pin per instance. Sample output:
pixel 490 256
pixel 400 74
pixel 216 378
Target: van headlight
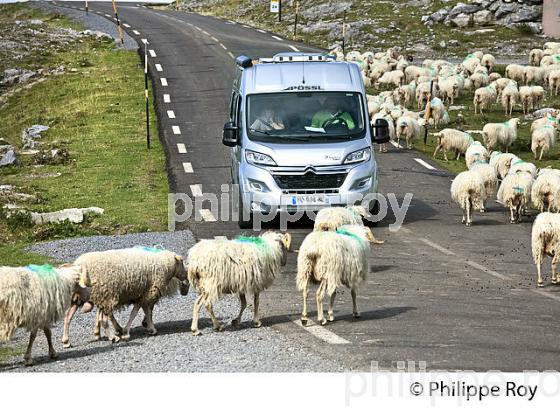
pixel 358 156
pixel 256 158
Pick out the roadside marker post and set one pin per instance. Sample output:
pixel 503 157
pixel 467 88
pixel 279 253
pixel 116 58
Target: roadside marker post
pixel 428 113
pixel 118 21
pixel 295 19
pixel 344 33
pixel 87 7
pixel 146 93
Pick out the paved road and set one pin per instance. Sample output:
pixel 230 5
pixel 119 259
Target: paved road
pixel 439 295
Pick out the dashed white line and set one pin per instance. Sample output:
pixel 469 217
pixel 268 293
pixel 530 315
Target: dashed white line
pixel 231 55
pixel 322 333
pixel 126 25
pixel 196 190
pixel 136 32
pixel 394 144
pixel 107 15
pixel 171 114
pixel 294 48
pixel 159 67
pixel 547 294
pixel 232 22
pixel 176 130
pixel 198 28
pixel 181 149
pixel 486 270
pixel 436 246
pixel 187 167
pixel 246 26
pixel 224 47
pixel 163 82
pixel 424 164
pixel 277 38
pixel 261 31
pixel 207 215
pixel 144 40
pixel 166 98
pixel 152 53
pixel 214 38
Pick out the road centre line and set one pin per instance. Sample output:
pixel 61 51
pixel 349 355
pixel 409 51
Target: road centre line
pixel 181 149
pixel 126 25
pixel 224 47
pixel 159 67
pixel 424 164
pixel 196 190
pixel 393 143
pixel 152 53
pixel 171 114
pixel 163 81
pixel 176 130
pixel 231 55
pixel 322 333
pixel 294 48
pixel 277 38
pixel 136 32
pixel 547 294
pixel 214 38
pixel 436 246
pixel 261 31
pixel 187 167
pixel 486 270
pixel 166 98
pixel 207 215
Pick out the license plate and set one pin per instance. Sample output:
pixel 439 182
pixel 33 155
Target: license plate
pixel 310 200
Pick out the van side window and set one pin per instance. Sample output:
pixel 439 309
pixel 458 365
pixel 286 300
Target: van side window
pixel 232 107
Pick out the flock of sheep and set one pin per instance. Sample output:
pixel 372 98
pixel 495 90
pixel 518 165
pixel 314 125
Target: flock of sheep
pixel 34 297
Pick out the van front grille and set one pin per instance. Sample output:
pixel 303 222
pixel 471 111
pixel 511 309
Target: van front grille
pixel 310 180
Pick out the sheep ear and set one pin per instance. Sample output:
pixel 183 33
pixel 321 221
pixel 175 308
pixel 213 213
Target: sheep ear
pixel 287 241
pixel 369 235
pixel 178 258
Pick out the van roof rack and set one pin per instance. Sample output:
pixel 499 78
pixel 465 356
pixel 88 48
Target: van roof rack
pixel 298 58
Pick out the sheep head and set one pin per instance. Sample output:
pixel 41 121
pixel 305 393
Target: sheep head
pixel 180 271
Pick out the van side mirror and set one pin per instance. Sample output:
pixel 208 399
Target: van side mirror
pixel 230 134
pixel 380 131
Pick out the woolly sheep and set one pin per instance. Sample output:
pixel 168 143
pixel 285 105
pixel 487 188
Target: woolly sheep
pixel 488 61
pixel 544 138
pixel 480 80
pixel 489 177
pixel 484 98
pixel 515 193
pixel 409 128
pixel 515 72
pixel 244 265
pixel 451 139
pixel 503 134
pixel 545 240
pixel 449 89
pixel 510 97
pixel 35 297
pixel 395 78
pixel 476 152
pixel 533 75
pixel 422 93
pixel 438 111
pixel 530 97
pixel 470 64
pixel 332 218
pixel 502 162
pixel 332 259
pixel 494 76
pixel 538 96
pixel 519 165
pixel 535 56
pixel 467 190
pixel 123 277
pixel 502 83
pixel 554 81
pixel 545 192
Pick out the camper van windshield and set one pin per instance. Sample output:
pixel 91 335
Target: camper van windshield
pixel 307 116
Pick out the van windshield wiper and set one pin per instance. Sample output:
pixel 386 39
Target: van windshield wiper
pixel 260 131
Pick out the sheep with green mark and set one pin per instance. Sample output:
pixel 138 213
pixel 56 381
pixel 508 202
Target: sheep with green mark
pixel 35 297
pixel 502 134
pixel 476 152
pixel 484 97
pixel 515 193
pixel 240 266
pixel 501 162
pixel 519 165
pixel 332 259
pixel 544 138
pixel 332 218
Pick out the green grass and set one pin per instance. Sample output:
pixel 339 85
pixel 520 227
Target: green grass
pixel 8 352
pixel 95 111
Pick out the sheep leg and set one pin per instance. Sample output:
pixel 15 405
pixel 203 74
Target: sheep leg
pixel 67 319
pixel 97 327
pixel 148 317
pixel 355 312
pixel 512 216
pixel 235 322
pixel 538 262
pixel 445 155
pixel 319 299
pixel 304 311
pixel 48 335
pixel 256 319
pixel 27 356
pixel 215 322
pixel 331 308
pixel 436 151
pixel 118 329
pixel 469 212
pixel 553 274
pixel 542 150
pixel 196 312
pixel 108 331
pixel 135 309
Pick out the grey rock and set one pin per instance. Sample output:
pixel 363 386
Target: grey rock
pixel 523 14
pixel 504 9
pixel 461 20
pixel 97 34
pixel 327 10
pixel 74 215
pixel 16 76
pixel 482 17
pixel 462 8
pixel 9 159
pixel 31 134
pixel 440 15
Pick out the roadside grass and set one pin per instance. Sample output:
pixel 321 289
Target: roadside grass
pixel 8 352
pixel 95 111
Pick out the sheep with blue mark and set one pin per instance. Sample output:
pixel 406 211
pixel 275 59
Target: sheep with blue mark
pixel 515 193
pixel 501 162
pixel 35 297
pixel 502 134
pixel 332 218
pixel 240 266
pixel 489 178
pixel 332 259
pixel 476 152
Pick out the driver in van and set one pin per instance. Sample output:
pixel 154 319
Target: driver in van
pixel 267 121
pixel 332 114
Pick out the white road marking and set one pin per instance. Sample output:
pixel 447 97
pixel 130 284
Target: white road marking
pixel 171 114
pixel 231 55
pixel 224 47
pixel 166 98
pixel 277 38
pixel 152 53
pixel 176 130
pixel 126 25
pixel 187 167
pixel 322 333
pixel 547 294
pixel 196 190
pixel 205 32
pixel 424 164
pixel 163 82
pixel 144 40
pixel 181 148
pixel 214 38
pixel 246 26
pixel 107 15
pixel 198 28
pixel 261 31
pixel 207 215
pixel 294 48
pixel 136 32
pixel 159 67
pixel 232 22
pixel 394 144
pixel 436 246
pixel 486 270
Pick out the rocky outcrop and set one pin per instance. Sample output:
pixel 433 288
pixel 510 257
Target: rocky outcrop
pixel 512 14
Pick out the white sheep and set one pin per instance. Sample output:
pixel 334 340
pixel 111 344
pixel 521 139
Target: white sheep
pixel 518 165
pixel 502 83
pixel 332 259
pixel 526 97
pixel 489 177
pixel 488 61
pixel 470 63
pixel 35 297
pixel 515 72
pixel 503 134
pixel 423 93
pixel 123 277
pixel 535 57
pixel 502 162
pixel 554 81
pixel 533 75
pixel 408 127
pixel 480 79
pixel 538 96
pixel 545 192
pixel 467 190
pixel 494 76
pixel 510 97
pixel 438 112
pixel 449 89
pixel 484 98
pixel 332 218
pixel 395 78
pixel 454 140
pixel 243 265
pixel 476 152
pixel 545 240
pixel 515 193
pixel 544 138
